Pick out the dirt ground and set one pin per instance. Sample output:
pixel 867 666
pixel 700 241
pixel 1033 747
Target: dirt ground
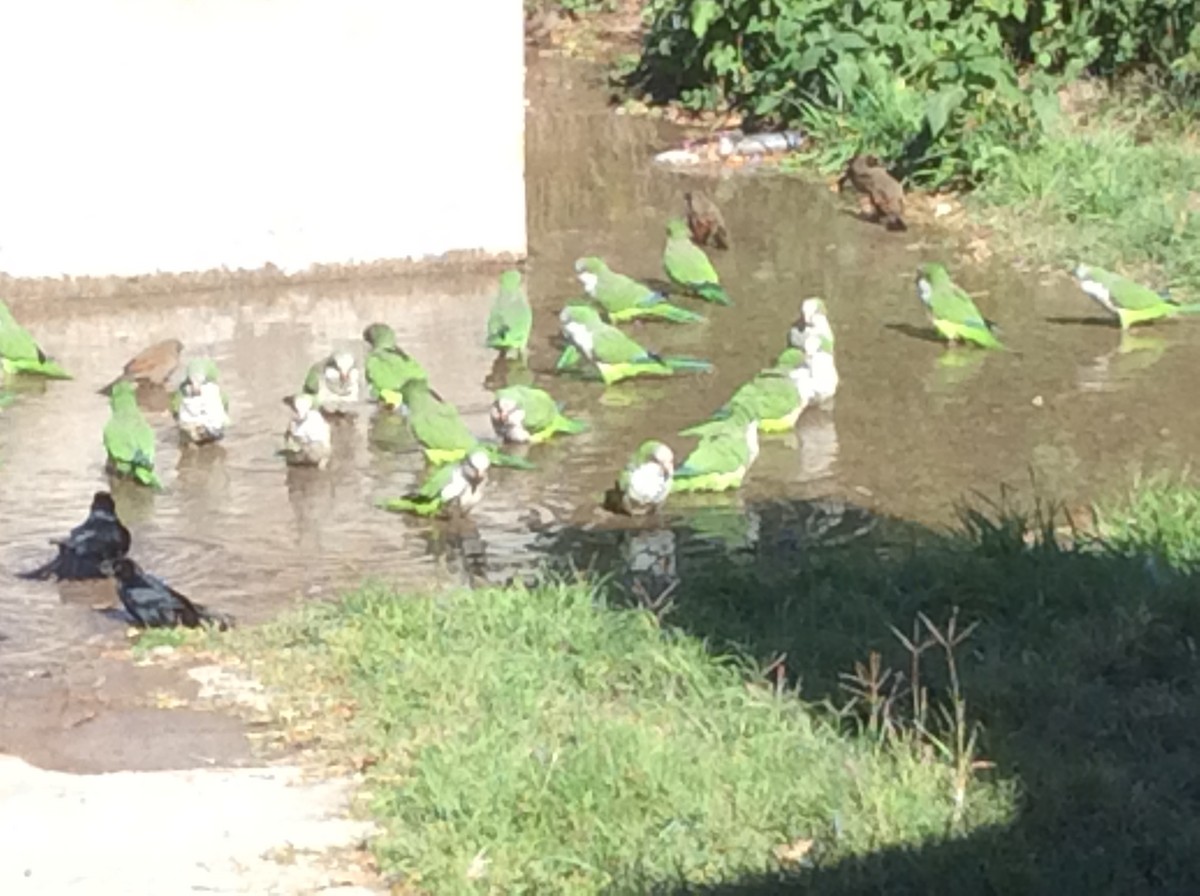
pixel 136 779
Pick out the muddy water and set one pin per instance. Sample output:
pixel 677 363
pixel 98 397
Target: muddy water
pixel 914 428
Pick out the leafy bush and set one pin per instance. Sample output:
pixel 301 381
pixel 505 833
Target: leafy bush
pixel 958 81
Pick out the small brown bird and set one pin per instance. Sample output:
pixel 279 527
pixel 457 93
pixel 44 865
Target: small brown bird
pixel 705 221
pixel 151 366
pixel 868 176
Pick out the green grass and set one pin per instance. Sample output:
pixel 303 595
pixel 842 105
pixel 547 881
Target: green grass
pixel 1121 191
pixel 561 739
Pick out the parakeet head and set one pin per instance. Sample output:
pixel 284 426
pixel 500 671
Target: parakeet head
pixel 302 404
pixel 677 227
pixel 341 365
pixel 379 336
pixel 811 307
pixel 475 466
pixel 589 265
pixel 659 453
pixel 579 314
pixel 1081 271
pixel 199 372
pixel 505 410
pixel 510 281
pixel 932 272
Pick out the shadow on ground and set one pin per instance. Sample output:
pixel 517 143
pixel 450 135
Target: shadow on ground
pixel 1082 672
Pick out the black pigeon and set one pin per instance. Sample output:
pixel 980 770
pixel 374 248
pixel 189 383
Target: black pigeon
pixel 99 538
pixel 154 604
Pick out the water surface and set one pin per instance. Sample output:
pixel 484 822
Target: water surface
pixel 915 427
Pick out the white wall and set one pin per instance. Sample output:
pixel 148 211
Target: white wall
pixel 186 135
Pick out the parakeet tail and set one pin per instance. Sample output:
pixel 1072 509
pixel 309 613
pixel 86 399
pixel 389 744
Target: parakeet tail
pixel 408 505
pixel 500 459
pixel 688 365
pixel 45 368
pixel 678 315
pixel 713 292
pixel 568 426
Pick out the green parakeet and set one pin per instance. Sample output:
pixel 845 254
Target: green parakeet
pixel 19 353
pixel 441 432
pixel 511 317
pixel 199 405
pixel 336 384
pixel 457 487
pixel 526 415
pixel 307 442
pixel 623 298
pixel 645 483
pixel 722 458
pixel 1131 302
pixel 775 397
pixel 951 310
pixel 689 268
pixel 615 355
pixel 388 368
pixel 128 438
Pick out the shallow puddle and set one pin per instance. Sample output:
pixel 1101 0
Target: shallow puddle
pixel 915 427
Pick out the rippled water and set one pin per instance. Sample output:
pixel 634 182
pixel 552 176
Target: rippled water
pixel 914 427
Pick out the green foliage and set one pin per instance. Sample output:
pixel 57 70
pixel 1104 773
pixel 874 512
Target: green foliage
pixel 947 73
pixel 1114 193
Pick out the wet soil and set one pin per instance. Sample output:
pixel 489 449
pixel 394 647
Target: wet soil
pixel 915 427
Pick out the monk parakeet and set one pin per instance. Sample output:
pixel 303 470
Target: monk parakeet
pixel 128 438
pixel 152 366
pixel 623 298
pixel 526 415
pixel 1131 302
pixel 307 441
pixel 689 268
pixel 775 397
pixel 645 482
pixel 154 604
pixel 199 406
pixel 336 384
pixel 99 538
pixel 813 317
pixel 441 432
pixel 454 488
pixel 722 458
pixel 951 310
pixel 19 353
pixel 388 367
pixel 615 355
pixel 511 317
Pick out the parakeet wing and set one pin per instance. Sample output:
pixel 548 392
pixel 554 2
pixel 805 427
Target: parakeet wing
pixel 685 262
pixel 510 320
pixel 15 341
pixel 611 346
pixel 438 425
pixel 716 454
pixel 617 292
pixel 129 439
pixel 951 303
pixel 1126 293
pixel 390 369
